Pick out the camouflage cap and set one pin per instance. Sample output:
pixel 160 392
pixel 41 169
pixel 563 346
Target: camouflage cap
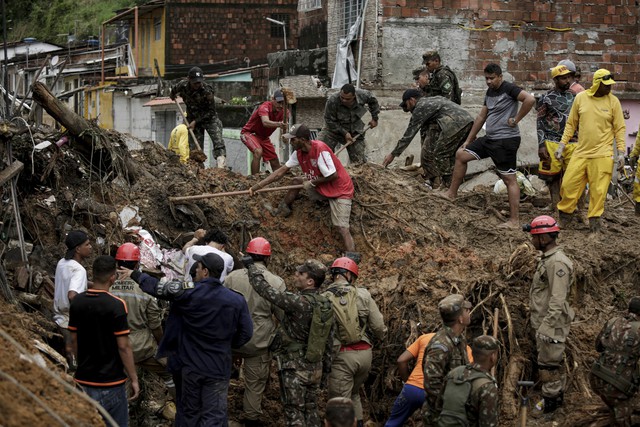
pixel 430 54
pixel 453 305
pixel 486 342
pixel 634 305
pixel 316 270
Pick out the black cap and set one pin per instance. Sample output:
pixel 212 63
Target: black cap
pixel 195 74
pixel 74 239
pixel 298 131
pixel 407 95
pixel 212 262
pixel 634 305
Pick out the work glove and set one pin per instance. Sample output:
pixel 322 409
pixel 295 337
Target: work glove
pixel 247 260
pixel 308 185
pixel 559 151
pixel 545 339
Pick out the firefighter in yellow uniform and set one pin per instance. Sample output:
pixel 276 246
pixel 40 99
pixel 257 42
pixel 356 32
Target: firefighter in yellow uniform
pixel 635 158
pixel 179 142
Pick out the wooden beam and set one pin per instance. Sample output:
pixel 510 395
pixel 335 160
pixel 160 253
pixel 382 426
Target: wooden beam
pixel 10 171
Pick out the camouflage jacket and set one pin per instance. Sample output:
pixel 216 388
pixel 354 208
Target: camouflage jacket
pixel 450 117
pixel 482 405
pixel 619 345
pixel 201 103
pixel 551 314
pixel 444 352
pixel 444 82
pixel 340 120
pixel 553 110
pixel 298 313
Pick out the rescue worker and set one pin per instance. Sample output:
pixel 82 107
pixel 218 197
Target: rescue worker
pixel 477 403
pixel 343 114
pixel 443 81
pixel 215 241
pixel 598 115
pixel 199 98
pixel 144 317
pixel 635 158
pixel 255 134
pixel 614 375
pixel 256 354
pixel 452 124
pixel 575 87
pixel 339 412
pixel 447 350
pixel 299 378
pixel 324 179
pixel 179 142
pixel 551 314
pixel 422 79
pixel 553 110
pixel 358 320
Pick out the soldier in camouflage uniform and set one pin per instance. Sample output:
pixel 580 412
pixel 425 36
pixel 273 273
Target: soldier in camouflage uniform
pixel 343 120
pixel 445 351
pixel 299 379
pixel 443 80
pixel 452 124
pixel 551 314
pixel 614 376
pixel 199 98
pixel 479 404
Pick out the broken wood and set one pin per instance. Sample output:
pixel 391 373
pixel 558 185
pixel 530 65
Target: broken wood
pixel 232 193
pixel 10 171
pixel 512 374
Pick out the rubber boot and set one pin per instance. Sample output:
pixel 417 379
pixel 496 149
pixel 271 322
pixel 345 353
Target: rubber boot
pixel 564 220
pixel 222 161
pixel 594 225
pixel 553 403
pixel 638 208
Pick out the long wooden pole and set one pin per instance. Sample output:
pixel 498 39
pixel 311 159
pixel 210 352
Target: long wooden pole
pixel 232 193
pixel 193 135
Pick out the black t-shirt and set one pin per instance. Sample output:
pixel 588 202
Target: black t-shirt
pixel 98 318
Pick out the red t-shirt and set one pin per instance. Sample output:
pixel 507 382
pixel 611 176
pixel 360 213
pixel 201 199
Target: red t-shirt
pixel 320 161
pixel 254 125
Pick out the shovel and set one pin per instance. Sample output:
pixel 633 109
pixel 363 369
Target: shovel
pixel 197 155
pixel 355 136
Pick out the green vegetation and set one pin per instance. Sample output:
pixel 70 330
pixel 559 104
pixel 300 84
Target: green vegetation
pixel 51 20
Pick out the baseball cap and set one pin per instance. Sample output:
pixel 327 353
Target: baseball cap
pixel 408 94
pixel 278 96
pixel 212 262
pixel 485 342
pixel 298 131
pixel 451 306
pixel 314 268
pixel 560 70
pixel 634 305
pixel 569 64
pixel 195 74
pixel 73 240
pixel 429 54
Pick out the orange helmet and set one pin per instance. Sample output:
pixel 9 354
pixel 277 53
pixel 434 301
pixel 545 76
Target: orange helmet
pixel 128 252
pixel 344 263
pixel 541 225
pixel 259 246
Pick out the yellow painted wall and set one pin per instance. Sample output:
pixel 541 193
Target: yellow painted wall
pixel 148 47
pixel 99 103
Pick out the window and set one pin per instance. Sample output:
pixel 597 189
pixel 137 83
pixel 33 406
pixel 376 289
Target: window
pixel 278 30
pixel 351 10
pixel 308 5
pixel 157 27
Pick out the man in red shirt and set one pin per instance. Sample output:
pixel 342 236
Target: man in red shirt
pixel 255 134
pixel 324 179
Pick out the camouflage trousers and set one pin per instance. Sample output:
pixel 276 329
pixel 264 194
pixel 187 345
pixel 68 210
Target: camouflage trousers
pixel 438 155
pixel 356 150
pixel 214 129
pixel 619 403
pixel 301 381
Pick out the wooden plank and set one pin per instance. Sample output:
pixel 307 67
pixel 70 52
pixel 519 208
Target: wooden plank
pixel 10 171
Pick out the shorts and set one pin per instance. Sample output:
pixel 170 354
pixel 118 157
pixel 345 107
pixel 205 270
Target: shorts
pixel 503 152
pixel 253 142
pixel 340 209
pixel 556 166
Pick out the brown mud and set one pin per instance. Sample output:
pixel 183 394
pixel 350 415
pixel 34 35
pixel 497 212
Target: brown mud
pixel 416 248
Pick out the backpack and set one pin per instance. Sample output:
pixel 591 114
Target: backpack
pixel 321 323
pixel 456 395
pixel 346 311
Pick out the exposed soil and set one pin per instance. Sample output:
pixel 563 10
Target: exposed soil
pixel 416 249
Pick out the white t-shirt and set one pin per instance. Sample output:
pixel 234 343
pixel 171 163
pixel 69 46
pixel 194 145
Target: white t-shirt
pixel 203 250
pixel 70 276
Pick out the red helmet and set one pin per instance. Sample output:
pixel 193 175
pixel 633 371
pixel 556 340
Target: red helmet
pixel 259 246
pixel 346 264
pixel 128 252
pixel 543 224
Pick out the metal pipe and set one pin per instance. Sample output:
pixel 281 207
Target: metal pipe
pixel 364 12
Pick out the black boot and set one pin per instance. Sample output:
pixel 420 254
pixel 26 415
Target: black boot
pixel 594 224
pixel 553 403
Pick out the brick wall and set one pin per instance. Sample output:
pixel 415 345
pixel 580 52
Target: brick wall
pixel 312 28
pixel 525 37
pixel 214 31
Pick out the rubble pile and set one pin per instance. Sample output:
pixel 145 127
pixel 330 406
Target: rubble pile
pixel 416 249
